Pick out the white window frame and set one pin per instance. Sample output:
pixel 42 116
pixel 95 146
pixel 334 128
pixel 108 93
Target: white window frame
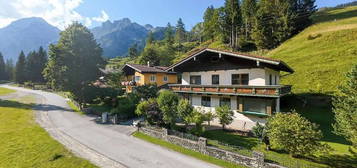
pixel 137 78
pixel 166 78
pixel 152 78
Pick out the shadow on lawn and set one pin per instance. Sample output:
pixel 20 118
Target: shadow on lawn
pixel 325 16
pixel 41 107
pixel 318 109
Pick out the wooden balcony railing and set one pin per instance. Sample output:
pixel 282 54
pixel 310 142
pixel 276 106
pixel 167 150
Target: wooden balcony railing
pixel 269 91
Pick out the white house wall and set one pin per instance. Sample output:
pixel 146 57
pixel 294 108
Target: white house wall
pixel 257 76
pixel 274 74
pixel 240 122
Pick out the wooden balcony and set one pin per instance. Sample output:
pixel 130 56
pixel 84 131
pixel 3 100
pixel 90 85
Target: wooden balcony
pixel 239 90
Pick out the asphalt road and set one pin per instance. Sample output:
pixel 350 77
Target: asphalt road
pixel 104 145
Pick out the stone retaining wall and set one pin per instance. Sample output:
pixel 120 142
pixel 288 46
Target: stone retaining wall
pixel 256 161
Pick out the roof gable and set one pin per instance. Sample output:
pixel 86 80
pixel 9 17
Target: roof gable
pixel 275 64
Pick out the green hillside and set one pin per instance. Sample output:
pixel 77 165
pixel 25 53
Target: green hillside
pixel 322 53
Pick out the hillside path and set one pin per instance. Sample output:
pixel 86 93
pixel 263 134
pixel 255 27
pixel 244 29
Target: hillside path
pixel 107 146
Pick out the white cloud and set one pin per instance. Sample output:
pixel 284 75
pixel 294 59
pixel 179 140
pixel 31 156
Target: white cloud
pixel 104 17
pixel 59 13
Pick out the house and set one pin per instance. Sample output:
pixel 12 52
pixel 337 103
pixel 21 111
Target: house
pixel 138 75
pixel 250 85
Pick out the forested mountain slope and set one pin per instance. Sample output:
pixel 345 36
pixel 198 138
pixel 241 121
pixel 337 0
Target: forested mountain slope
pixel 322 53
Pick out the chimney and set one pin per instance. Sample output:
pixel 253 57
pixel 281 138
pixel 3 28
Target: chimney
pixel 148 63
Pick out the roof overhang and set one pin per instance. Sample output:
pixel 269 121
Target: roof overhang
pixel 278 63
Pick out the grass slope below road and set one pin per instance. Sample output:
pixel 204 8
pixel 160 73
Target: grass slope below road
pixel 322 53
pixel 185 151
pixel 24 143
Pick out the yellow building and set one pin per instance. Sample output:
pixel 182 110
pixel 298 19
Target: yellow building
pixel 138 75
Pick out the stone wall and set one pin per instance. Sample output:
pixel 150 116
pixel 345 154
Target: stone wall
pixel 256 161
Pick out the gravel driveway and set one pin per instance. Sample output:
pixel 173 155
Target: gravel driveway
pixel 104 145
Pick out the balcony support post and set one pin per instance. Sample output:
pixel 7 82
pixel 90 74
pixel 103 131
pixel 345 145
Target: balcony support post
pixel 277 107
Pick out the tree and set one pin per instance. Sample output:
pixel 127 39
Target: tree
pixel 10 69
pixel 274 23
pixel 150 39
pixel 184 110
pixel 133 51
pixel 249 8
pixel 209 116
pixel 304 10
pixel 150 54
pixel 233 18
pixel 35 64
pixel 150 110
pixel 197 118
pixel 208 23
pixel 77 56
pixel 20 72
pixel 225 115
pixel 169 34
pixel 3 75
pixel 295 134
pixel 146 91
pixel 180 34
pixel 345 108
pixel 168 101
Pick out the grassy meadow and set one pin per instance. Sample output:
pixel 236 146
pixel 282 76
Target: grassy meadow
pixel 323 53
pixel 24 143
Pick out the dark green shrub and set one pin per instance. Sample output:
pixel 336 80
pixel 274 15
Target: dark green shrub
pixel 168 101
pixel 295 134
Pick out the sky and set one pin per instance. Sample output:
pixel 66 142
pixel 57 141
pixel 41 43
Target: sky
pixel 91 13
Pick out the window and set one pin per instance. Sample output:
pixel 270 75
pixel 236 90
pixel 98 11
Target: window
pixel 153 78
pixel 240 79
pixel 270 80
pixel 137 78
pixel 255 105
pixel 195 80
pixel 166 78
pixel 206 101
pixel 215 79
pixel 225 101
pixel 276 80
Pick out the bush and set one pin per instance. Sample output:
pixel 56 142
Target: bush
pixel 184 110
pixel 209 116
pixel 258 130
pixel 168 101
pixel 295 134
pixel 146 91
pixel 225 115
pixel 150 110
pixel 197 118
pixel 126 106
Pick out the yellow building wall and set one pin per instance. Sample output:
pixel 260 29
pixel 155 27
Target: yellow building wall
pixel 172 78
pixel 145 79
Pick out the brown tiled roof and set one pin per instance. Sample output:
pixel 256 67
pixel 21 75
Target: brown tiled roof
pixel 193 53
pixel 148 69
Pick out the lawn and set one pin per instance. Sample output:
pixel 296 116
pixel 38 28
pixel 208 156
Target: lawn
pixel 24 143
pixel 4 91
pixel 340 155
pixel 185 151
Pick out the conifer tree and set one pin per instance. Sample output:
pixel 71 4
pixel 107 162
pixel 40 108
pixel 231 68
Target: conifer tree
pixel 208 23
pixel 180 34
pixel 10 69
pixel 133 51
pixel 150 39
pixel 249 8
pixel 20 71
pixel 169 34
pixel 2 68
pixel 233 18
